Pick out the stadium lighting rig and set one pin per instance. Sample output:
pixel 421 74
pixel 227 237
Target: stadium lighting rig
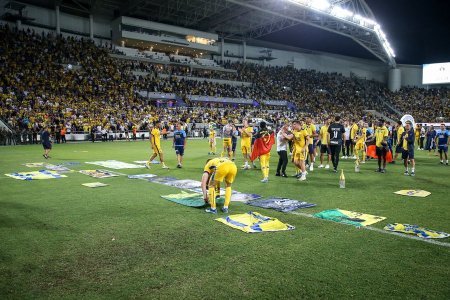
pixel 334 10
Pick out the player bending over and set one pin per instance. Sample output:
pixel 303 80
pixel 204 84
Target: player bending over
pixel 215 171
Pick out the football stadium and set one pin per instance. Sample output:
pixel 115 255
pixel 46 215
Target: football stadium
pixel 224 149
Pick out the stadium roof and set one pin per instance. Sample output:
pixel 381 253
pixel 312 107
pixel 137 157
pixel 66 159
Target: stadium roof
pixel 248 19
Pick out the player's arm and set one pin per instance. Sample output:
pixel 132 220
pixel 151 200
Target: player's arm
pixel 288 136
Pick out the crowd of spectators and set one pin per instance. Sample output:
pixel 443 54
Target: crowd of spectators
pixel 71 83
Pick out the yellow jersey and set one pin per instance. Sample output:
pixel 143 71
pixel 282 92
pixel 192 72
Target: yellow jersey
pixel 214 163
pixel 324 134
pixel 245 137
pixel 300 139
pixel 156 137
pixel 400 130
pixel 380 134
pixel 361 135
pixel 353 131
pixel 310 130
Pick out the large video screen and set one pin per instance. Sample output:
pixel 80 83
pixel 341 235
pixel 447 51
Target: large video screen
pixel 436 73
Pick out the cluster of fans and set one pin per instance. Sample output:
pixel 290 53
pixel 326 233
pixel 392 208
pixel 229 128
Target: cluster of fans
pixel 98 91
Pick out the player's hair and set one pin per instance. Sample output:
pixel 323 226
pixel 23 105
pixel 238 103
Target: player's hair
pixel 262 124
pixel 399 122
pixel 296 122
pixel 337 118
pixel 208 160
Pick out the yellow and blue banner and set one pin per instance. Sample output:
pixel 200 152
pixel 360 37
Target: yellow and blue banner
pixel 419 231
pixel 34 175
pixel 253 222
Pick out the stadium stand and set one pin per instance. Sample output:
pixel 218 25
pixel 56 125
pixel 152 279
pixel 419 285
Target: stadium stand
pixel 38 86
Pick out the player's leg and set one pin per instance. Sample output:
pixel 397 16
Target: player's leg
pixel 212 196
pixel 229 179
pixel 384 154
pixel 280 163
pixel 263 162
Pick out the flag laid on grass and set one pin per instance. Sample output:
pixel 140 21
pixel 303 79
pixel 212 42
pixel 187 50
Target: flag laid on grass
pixel 35 165
pixel 114 164
pixel 161 180
pixel 184 183
pixel 235 195
pixel 42 174
pixel 348 217
pixel 141 176
pixel 57 168
pixel 189 199
pixel 263 144
pixel 72 163
pixel 372 152
pixel 99 173
pixel 422 232
pixel 413 193
pixel 252 222
pixel 153 162
pixel 94 184
pixel 281 204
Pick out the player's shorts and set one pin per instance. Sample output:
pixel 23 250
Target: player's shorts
pixel 47 146
pixel 381 151
pixel 212 141
pixel 246 148
pixel 179 150
pixel 311 148
pixel 359 146
pixel 408 154
pixel 324 149
pixel 443 148
pixel 399 149
pixel 225 171
pixel 227 142
pixel 157 149
pixel 299 155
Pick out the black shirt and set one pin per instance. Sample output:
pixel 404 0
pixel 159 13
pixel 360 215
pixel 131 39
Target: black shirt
pixel 336 131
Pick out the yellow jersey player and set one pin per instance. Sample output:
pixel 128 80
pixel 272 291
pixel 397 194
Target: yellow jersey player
pixel 360 142
pixel 381 136
pixel 324 148
pixel 216 171
pixel 354 129
pixel 399 131
pixel 212 141
pixel 246 142
pixel 311 130
pixel 155 142
pixel 301 140
pixel 227 142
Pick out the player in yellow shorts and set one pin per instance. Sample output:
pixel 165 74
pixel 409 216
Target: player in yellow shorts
pixel 360 142
pixel 155 142
pixel 227 143
pixel 212 141
pixel 216 171
pixel 301 140
pixel 246 142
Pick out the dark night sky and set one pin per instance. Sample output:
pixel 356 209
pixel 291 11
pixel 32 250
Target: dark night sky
pixel 418 30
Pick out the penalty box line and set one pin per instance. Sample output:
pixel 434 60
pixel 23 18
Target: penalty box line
pixel 410 237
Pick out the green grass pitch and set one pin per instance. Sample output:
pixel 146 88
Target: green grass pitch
pixel 61 240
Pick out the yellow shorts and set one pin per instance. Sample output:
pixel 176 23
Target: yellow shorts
pixel 157 149
pixel 212 141
pixel 299 155
pixel 227 142
pixel 246 148
pixel 359 146
pixel 225 171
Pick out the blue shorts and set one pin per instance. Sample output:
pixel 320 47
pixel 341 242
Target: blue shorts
pixel 311 148
pixel 47 145
pixel 233 147
pixel 408 154
pixel 443 148
pixel 179 150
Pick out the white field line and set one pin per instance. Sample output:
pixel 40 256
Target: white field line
pixel 411 237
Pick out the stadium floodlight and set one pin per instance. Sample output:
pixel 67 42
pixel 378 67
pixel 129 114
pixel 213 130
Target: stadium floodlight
pixel 320 4
pixel 341 13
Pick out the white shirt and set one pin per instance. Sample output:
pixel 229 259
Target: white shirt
pixel 281 142
pixel 347 133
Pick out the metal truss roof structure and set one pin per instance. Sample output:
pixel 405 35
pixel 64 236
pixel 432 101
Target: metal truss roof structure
pixel 247 19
